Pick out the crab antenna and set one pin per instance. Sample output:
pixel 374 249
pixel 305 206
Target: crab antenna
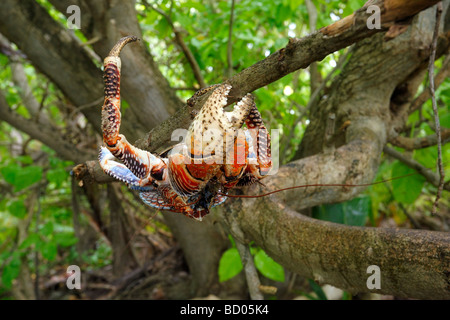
pixel 115 51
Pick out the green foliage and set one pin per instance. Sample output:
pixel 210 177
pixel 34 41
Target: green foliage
pixel 17 208
pixel 21 177
pixel 268 267
pixel 230 264
pixel 407 189
pixel 11 271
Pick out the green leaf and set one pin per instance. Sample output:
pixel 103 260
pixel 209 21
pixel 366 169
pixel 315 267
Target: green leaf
pixel 268 267
pixel 49 250
pixel 47 229
pixel 17 209
pixel 33 238
pixel 21 177
pixel 57 176
pixel 11 271
pixel 164 28
pixel 9 173
pixel 407 189
pixel 65 239
pixel 230 264
pixel 27 176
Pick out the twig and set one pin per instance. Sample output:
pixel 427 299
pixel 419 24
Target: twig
pixel 230 43
pixel 429 175
pixel 435 109
pixel 184 48
pixel 315 76
pixel 443 73
pixel 94 103
pixel 36 252
pixel 420 142
pixel 251 274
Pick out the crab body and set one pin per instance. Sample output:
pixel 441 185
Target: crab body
pixel 218 153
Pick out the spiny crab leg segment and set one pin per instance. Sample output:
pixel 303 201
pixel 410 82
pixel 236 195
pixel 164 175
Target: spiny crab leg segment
pixel 143 166
pixel 263 147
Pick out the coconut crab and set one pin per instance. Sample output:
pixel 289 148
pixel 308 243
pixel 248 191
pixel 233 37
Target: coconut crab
pixel 197 174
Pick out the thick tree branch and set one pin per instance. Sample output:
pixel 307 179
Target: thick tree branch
pixel 44 134
pixel 413 263
pixel 108 21
pixel 420 142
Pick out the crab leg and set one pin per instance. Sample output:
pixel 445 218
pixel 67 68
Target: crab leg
pixel 262 138
pixel 142 165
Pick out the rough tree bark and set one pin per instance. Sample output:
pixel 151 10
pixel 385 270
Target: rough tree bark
pixel 328 252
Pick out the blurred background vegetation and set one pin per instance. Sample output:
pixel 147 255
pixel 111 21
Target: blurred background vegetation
pixel 42 206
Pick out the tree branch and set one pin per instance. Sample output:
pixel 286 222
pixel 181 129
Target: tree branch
pixel 230 42
pixel 44 134
pixel 429 175
pixel 443 73
pixel 435 108
pixel 413 263
pixel 184 48
pixel 420 142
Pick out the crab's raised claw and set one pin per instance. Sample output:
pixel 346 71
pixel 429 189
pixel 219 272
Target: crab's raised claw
pixel 142 164
pixel 213 117
pixel 111 105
